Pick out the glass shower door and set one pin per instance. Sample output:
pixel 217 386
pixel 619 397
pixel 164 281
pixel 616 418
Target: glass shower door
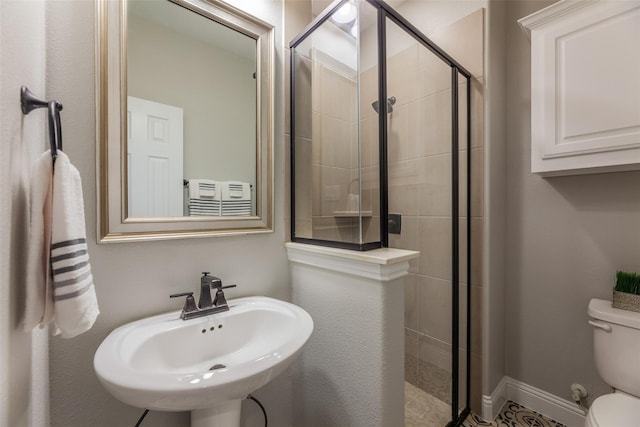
pixel 427 188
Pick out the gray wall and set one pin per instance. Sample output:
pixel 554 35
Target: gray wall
pixel 566 237
pixel 218 144
pixel 23 356
pixel 133 280
pixel 495 164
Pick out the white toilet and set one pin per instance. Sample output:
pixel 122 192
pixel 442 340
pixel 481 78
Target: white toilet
pixel 616 345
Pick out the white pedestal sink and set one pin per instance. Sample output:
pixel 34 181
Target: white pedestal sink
pixel 221 414
pixel 205 365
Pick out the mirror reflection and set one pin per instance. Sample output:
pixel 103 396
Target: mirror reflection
pixel 191 114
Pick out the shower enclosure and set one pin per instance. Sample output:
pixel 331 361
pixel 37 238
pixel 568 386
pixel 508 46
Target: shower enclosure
pixel 380 157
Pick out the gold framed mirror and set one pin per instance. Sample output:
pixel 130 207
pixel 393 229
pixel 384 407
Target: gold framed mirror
pixel 184 120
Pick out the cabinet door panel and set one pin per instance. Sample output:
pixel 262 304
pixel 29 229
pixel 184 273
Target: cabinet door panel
pixel 585 91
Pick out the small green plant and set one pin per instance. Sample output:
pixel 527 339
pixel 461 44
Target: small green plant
pixel 627 282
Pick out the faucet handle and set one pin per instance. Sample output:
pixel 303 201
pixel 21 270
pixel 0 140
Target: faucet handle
pixel 181 294
pixel 220 299
pixel 189 304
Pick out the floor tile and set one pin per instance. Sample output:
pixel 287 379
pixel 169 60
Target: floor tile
pixel 515 415
pixel 423 410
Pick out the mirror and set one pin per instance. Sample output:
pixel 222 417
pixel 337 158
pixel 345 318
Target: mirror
pixel 184 119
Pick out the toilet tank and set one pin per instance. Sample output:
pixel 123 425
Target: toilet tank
pixel 616 345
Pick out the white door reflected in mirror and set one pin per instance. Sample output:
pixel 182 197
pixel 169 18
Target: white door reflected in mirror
pixel 154 154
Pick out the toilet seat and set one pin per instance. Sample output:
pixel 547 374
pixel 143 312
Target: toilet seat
pixel 614 409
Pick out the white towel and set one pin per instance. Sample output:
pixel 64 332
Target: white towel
pixel 76 305
pixel 202 189
pixel 208 189
pixel 236 190
pixel 236 198
pixel 194 188
pixel 204 197
pixel 200 207
pixel 38 308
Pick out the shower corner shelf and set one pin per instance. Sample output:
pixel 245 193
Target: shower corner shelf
pixel 352 214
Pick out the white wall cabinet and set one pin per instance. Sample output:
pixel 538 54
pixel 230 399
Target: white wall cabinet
pixel 585 86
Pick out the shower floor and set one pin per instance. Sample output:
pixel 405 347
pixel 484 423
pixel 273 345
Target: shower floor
pixel 423 410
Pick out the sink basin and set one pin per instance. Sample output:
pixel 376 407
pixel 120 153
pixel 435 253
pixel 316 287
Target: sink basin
pixel 168 364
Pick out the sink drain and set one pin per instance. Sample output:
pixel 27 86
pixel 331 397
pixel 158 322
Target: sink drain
pixel 217 366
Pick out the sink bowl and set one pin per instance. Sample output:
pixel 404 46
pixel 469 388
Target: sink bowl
pixel 168 364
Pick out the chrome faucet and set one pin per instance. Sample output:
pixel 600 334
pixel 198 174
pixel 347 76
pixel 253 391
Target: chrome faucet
pixel 205 305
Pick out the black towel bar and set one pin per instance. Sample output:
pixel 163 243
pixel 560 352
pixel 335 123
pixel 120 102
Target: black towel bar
pixel 29 102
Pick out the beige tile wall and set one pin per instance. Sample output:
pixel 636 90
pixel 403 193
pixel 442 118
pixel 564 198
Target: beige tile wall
pixel 328 152
pixel 304 149
pixel 334 160
pixel 297 14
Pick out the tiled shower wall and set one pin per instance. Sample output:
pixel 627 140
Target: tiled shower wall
pixel 331 167
pixel 335 165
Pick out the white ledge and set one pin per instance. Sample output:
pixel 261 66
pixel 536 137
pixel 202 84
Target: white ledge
pixel 384 264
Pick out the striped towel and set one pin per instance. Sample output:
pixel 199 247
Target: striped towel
pixel 236 198
pixel 207 189
pixel 75 302
pixel 204 197
pixel 199 207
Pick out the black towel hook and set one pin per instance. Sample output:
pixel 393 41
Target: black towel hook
pixel 29 102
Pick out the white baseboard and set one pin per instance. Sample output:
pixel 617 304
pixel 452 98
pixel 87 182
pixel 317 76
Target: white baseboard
pixel 562 410
pixel 491 405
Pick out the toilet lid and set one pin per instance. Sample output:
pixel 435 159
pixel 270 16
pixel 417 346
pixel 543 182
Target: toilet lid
pixel 615 410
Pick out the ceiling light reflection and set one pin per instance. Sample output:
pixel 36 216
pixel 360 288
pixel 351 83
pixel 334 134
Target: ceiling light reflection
pixel 345 14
